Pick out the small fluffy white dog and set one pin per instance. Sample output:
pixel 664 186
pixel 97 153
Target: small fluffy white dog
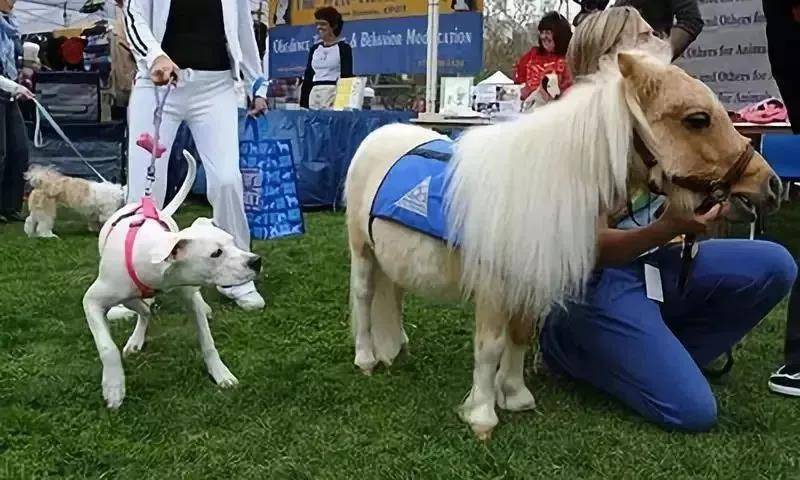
pixel 97 201
pixel 546 93
pixel 162 258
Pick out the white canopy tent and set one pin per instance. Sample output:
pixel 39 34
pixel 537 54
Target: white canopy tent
pixel 38 16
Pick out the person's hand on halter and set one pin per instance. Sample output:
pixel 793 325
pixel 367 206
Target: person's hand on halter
pixel 680 223
pixel 259 107
pixel 164 71
pixel 796 13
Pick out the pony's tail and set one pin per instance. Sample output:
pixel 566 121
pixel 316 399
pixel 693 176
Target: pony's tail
pixel 386 317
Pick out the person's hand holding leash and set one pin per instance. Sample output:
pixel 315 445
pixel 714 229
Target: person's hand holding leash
pixel 24 93
pixel 164 71
pixel 259 107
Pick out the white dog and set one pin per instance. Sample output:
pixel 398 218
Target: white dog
pixel 143 252
pixel 97 201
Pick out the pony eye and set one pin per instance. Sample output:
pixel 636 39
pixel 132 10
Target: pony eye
pixel 217 253
pixel 697 121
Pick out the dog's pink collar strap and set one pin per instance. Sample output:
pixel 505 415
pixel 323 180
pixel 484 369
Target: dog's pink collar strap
pixel 145 211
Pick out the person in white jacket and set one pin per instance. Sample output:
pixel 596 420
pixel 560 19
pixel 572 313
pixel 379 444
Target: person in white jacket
pixel 201 47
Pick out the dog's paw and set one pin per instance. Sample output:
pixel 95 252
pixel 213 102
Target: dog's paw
pixel 113 393
pixel 133 346
pixel 222 376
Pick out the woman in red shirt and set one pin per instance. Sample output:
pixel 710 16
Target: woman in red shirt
pixel 555 34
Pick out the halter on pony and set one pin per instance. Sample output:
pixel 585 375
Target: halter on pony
pixel 716 191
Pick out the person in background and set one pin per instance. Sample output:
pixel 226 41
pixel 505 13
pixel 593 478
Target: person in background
pixel 13 137
pixel 589 7
pixel 680 20
pixel 548 56
pixel 329 60
pixel 783 37
pixel 201 48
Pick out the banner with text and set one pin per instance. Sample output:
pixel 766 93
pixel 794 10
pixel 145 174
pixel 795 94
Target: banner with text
pixel 730 56
pixel 395 45
pixel 301 12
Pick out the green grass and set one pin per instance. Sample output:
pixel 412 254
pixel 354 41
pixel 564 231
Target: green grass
pixel 303 411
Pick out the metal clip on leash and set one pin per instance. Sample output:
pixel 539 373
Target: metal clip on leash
pixel 156 151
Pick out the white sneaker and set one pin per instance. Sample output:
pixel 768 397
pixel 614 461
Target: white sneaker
pixel 119 313
pixel 246 296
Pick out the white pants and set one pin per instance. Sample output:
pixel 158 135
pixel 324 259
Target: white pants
pixel 207 102
pixel 322 97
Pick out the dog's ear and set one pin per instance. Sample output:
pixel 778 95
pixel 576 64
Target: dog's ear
pixel 170 248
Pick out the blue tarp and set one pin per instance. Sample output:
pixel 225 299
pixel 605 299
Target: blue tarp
pixel 323 143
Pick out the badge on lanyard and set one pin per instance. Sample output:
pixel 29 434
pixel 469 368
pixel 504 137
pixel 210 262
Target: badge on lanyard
pixel 652 282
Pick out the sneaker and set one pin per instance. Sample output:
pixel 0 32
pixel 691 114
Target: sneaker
pixel 786 381
pixel 246 296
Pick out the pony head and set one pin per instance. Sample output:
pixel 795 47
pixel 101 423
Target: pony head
pixel 691 141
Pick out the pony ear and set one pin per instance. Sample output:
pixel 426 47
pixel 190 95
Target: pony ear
pixel 169 248
pixel 639 74
pixel 628 64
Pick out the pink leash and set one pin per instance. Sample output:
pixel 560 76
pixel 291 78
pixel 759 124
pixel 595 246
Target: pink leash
pixel 147 209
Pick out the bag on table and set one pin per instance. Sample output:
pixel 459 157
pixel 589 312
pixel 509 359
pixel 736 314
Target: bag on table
pixel 271 201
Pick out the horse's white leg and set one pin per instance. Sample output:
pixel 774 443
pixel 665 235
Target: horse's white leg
pixel 512 394
pixel 386 318
pixel 362 267
pixel 490 339
pixel 136 340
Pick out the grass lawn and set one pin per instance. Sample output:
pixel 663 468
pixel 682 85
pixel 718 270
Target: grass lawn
pixel 303 411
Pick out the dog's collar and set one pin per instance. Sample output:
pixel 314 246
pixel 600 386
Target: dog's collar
pixel 146 211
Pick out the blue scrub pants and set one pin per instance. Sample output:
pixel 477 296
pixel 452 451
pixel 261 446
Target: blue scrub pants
pixel 648 354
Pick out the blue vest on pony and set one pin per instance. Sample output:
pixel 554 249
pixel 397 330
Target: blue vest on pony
pixel 412 192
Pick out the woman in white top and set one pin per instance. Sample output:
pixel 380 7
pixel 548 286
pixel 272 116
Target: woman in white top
pixel 329 60
pixel 203 47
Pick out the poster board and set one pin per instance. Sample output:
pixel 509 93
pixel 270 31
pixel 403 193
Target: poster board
pixel 730 55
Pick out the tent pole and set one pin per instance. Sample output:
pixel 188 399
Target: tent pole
pixel 432 61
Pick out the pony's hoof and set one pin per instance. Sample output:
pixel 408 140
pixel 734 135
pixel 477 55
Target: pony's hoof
pixel 365 360
pixel 482 434
pixel 482 418
pixel 515 400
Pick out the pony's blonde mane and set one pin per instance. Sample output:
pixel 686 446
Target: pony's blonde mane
pixel 524 197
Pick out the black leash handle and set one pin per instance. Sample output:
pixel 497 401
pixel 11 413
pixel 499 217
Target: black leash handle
pixel 688 252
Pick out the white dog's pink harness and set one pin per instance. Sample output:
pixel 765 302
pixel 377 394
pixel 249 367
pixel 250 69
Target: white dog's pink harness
pixel 145 211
